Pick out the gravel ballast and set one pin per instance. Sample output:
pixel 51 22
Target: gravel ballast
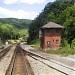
pixel 4 63
pixel 41 69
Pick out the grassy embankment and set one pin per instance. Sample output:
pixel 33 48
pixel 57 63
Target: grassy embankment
pixel 63 51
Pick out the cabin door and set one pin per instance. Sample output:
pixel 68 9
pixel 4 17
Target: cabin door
pixel 48 44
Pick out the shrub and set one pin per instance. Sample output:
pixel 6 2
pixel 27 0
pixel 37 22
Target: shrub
pixel 73 43
pixel 64 42
pixel 35 42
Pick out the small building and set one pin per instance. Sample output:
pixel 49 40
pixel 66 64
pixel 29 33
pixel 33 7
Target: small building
pixel 50 36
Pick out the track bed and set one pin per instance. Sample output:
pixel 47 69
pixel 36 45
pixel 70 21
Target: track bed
pixel 19 64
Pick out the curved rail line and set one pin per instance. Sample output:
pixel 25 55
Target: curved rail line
pixel 36 56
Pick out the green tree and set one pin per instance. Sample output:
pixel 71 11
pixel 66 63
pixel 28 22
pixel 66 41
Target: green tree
pixel 61 12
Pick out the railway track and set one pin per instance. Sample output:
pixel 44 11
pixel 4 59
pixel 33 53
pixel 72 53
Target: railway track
pixel 59 67
pixel 50 63
pixel 19 64
pixel 45 62
pixel 4 51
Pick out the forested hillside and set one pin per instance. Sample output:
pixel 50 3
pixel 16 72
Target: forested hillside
pixel 61 12
pixel 12 28
pixel 18 23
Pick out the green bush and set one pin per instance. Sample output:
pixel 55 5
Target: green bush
pixel 35 42
pixel 73 43
pixel 64 42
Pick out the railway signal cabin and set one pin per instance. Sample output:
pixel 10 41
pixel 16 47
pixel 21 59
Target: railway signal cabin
pixel 50 36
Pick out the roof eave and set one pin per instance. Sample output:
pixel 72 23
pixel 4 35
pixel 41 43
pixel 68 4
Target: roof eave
pixel 52 27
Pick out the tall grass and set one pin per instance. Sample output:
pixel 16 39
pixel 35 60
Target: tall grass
pixel 64 51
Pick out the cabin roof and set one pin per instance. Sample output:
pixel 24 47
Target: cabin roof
pixel 52 25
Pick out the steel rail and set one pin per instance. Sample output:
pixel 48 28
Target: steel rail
pixel 4 51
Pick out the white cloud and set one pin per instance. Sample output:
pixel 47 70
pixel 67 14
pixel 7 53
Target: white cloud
pixel 32 1
pixel 23 1
pixel 10 1
pixel 21 14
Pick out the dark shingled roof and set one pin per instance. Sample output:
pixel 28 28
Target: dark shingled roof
pixel 52 25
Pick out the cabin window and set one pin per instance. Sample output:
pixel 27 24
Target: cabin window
pixel 57 42
pixel 57 31
pixel 48 31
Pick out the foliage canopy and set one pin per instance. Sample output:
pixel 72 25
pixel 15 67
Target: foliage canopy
pixel 60 12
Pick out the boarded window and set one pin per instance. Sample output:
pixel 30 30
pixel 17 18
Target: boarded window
pixel 48 44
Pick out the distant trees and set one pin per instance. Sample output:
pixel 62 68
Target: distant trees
pixel 7 31
pixel 12 28
pixel 18 23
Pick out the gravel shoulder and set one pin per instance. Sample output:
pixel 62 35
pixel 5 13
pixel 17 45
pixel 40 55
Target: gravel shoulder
pixel 41 69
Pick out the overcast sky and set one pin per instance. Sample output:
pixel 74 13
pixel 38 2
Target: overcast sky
pixel 22 9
